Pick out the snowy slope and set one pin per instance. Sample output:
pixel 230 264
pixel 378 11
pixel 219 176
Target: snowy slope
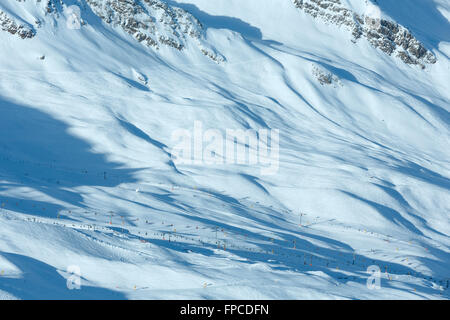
pixel 87 178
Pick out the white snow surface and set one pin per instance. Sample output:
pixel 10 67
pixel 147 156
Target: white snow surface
pixel 87 179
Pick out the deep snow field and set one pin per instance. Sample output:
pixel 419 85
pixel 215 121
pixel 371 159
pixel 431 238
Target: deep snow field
pixel 88 183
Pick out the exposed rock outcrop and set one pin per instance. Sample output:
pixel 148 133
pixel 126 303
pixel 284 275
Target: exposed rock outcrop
pixel 325 77
pixel 9 25
pixel 388 36
pixel 153 23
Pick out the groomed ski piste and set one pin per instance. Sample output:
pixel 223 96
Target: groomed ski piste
pixel 95 206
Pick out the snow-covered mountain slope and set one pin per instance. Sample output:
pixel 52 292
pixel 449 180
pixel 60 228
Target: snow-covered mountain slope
pixel 381 32
pixel 92 92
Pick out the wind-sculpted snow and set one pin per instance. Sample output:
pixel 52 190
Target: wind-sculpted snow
pixel 388 36
pixel 91 109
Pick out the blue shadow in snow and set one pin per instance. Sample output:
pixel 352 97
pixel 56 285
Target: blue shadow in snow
pixel 132 83
pixel 220 22
pixel 389 213
pixel 38 152
pixel 245 29
pixel 341 73
pixel 43 282
pixel 132 129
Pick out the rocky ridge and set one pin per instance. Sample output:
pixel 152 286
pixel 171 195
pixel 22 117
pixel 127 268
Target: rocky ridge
pixel 8 24
pixel 151 22
pixel 388 36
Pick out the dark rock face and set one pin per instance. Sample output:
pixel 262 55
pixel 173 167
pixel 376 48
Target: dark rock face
pixel 154 23
pixel 151 22
pixel 50 6
pixel 9 25
pixel 388 36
